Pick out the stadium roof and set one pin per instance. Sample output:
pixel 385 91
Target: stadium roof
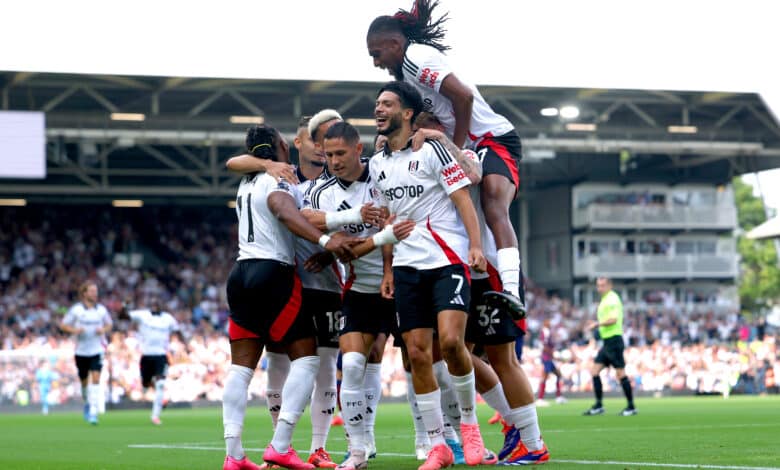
pixel 180 147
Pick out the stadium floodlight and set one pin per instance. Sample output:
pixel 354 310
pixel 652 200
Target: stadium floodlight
pixel 581 127
pixel 231 204
pixel 569 112
pixel 247 119
pixel 13 202
pixel 682 129
pixel 128 117
pixel 127 203
pixel 363 122
pixel 549 112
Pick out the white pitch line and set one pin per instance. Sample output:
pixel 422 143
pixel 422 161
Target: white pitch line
pixel 666 465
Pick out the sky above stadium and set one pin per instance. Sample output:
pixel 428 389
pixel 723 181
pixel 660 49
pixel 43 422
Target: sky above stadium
pixel 714 45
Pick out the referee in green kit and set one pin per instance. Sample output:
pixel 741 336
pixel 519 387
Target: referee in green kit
pixel 610 325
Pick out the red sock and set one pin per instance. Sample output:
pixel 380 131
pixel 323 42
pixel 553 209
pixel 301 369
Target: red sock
pixel 542 386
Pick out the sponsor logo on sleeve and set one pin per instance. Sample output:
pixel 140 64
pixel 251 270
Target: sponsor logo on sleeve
pixel 453 174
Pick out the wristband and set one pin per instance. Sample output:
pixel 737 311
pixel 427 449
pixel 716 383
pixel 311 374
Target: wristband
pixel 324 239
pixel 385 236
pixel 334 220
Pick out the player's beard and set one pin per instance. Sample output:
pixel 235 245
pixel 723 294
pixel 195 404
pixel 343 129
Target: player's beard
pixel 394 123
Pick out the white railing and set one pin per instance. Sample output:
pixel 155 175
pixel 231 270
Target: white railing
pixel 620 266
pixel 611 216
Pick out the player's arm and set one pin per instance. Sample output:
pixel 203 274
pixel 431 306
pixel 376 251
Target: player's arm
pixel 462 103
pixel 470 165
pixel 387 288
pixel 284 208
pixel 334 220
pixel 391 234
pixel 462 201
pixel 108 324
pixel 67 324
pixel 246 163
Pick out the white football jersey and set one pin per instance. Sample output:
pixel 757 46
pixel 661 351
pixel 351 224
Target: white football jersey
pixel 426 68
pixel 489 248
pixel 329 279
pixel 89 342
pixel 260 234
pixel 154 330
pixel 363 274
pixel 416 186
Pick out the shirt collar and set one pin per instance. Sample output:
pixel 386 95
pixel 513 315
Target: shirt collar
pixel 364 176
pixel 387 152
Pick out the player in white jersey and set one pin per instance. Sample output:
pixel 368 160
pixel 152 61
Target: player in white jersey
pixel 264 295
pixel 321 288
pixel 365 313
pixel 503 385
pixel 155 328
pixel 408 44
pixel 89 321
pixel 429 274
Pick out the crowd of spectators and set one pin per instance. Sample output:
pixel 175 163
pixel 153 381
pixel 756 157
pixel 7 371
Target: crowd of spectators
pixel 186 253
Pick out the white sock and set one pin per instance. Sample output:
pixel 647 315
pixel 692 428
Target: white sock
pixel 372 384
pixel 449 400
pixel 525 420
pixel 353 399
pixel 449 430
pixel 496 399
pixel 233 408
pixel 159 390
pixel 93 395
pixel 101 402
pixel 509 269
pixel 277 369
pixel 295 395
pixel 430 409
pixel 467 397
pixel 84 394
pixel 420 435
pixel 323 398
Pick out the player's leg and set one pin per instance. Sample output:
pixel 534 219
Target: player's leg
pixel 277 369
pixel 325 308
pixel 245 353
pixel 499 187
pixel 373 388
pixel 520 400
pixel 449 403
pixel 158 380
pixel 422 445
pixel 354 349
pixel 82 366
pixel 93 389
pixel 559 398
pixel 618 361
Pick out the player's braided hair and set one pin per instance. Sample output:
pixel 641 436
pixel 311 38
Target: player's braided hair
pixel 416 26
pixel 261 141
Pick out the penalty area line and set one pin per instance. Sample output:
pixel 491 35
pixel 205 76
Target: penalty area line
pixel 664 465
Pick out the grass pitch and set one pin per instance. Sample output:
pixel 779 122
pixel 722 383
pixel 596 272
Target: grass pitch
pixel 693 432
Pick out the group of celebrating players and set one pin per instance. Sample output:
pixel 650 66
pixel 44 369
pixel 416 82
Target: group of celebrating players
pixel 340 252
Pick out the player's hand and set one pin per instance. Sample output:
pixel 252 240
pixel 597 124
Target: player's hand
pixel 401 229
pixel 387 288
pixel 372 215
pixel 418 139
pixel 341 245
pixel 380 142
pixel 318 261
pixel 282 170
pixel 477 260
pixel 593 325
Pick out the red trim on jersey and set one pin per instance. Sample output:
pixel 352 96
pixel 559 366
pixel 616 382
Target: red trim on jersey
pixel 236 331
pixel 451 255
pixel 288 314
pixel 350 280
pixel 502 152
pixel 495 283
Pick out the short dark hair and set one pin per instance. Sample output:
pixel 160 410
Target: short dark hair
pixel 261 141
pixel 343 130
pixel 416 26
pixel 409 96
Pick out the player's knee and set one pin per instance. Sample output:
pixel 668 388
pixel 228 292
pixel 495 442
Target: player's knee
pixel 147 383
pixel 451 346
pixel 418 357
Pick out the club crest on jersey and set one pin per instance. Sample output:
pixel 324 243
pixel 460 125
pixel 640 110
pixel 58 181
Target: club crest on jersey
pixel 413 166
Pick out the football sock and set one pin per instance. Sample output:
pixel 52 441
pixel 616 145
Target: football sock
pixel 353 399
pixel 323 398
pixel 277 369
pixel 295 395
pixel 159 390
pixel 430 409
pixel 626 384
pixel 597 389
pixel 233 408
pixel 449 400
pixel 420 435
pixel 496 399
pixel 467 397
pixel 372 384
pixel 525 420
pixel 509 269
